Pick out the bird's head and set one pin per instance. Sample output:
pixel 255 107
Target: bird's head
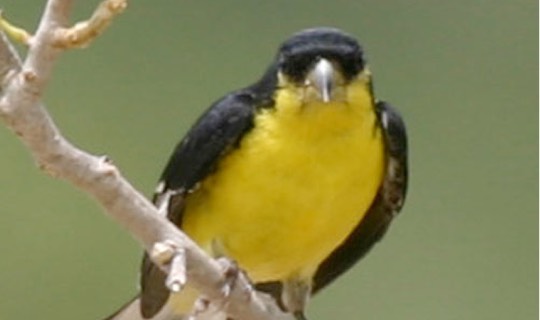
pixel 319 64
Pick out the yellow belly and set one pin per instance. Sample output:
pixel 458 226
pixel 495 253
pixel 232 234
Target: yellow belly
pixel 298 184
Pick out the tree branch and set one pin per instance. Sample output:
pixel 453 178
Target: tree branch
pixel 21 90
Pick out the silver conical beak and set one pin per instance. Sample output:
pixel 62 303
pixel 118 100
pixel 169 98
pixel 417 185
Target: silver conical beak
pixel 322 78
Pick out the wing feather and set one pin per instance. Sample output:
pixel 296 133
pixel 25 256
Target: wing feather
pixel 217 132
pixel 386 205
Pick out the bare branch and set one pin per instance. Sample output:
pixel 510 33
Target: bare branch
pixel 16 33
pixel 22 111
pixel 84 32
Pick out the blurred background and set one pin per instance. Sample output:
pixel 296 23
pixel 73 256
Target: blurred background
pixel 463 74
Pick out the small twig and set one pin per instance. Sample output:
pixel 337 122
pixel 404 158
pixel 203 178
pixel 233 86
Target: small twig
pixel 16 33
pixel 167 253
pixel 84 32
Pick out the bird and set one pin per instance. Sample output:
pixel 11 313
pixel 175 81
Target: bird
pixel 294 178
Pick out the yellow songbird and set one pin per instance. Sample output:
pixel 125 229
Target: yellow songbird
pixel 294 177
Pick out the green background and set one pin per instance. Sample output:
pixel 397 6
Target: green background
pixel 463 73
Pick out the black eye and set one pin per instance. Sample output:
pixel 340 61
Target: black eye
pixel 352 64
pixel 296 66
pixel 359 61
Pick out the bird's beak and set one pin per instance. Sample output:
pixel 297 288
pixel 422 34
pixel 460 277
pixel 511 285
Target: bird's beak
pixel 322 78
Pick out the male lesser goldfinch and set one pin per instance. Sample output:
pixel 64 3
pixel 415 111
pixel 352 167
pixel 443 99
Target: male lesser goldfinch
pixel 294 177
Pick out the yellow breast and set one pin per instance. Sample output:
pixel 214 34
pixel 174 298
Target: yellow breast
pixel 294 189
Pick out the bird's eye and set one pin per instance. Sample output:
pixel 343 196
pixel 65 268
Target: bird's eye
pixel 296 66
pixel 359 61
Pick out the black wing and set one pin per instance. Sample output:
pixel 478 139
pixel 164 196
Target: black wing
pixel 385 206
pixel 218 131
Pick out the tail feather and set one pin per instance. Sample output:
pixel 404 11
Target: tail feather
pixel 129 311
pixel 132 311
